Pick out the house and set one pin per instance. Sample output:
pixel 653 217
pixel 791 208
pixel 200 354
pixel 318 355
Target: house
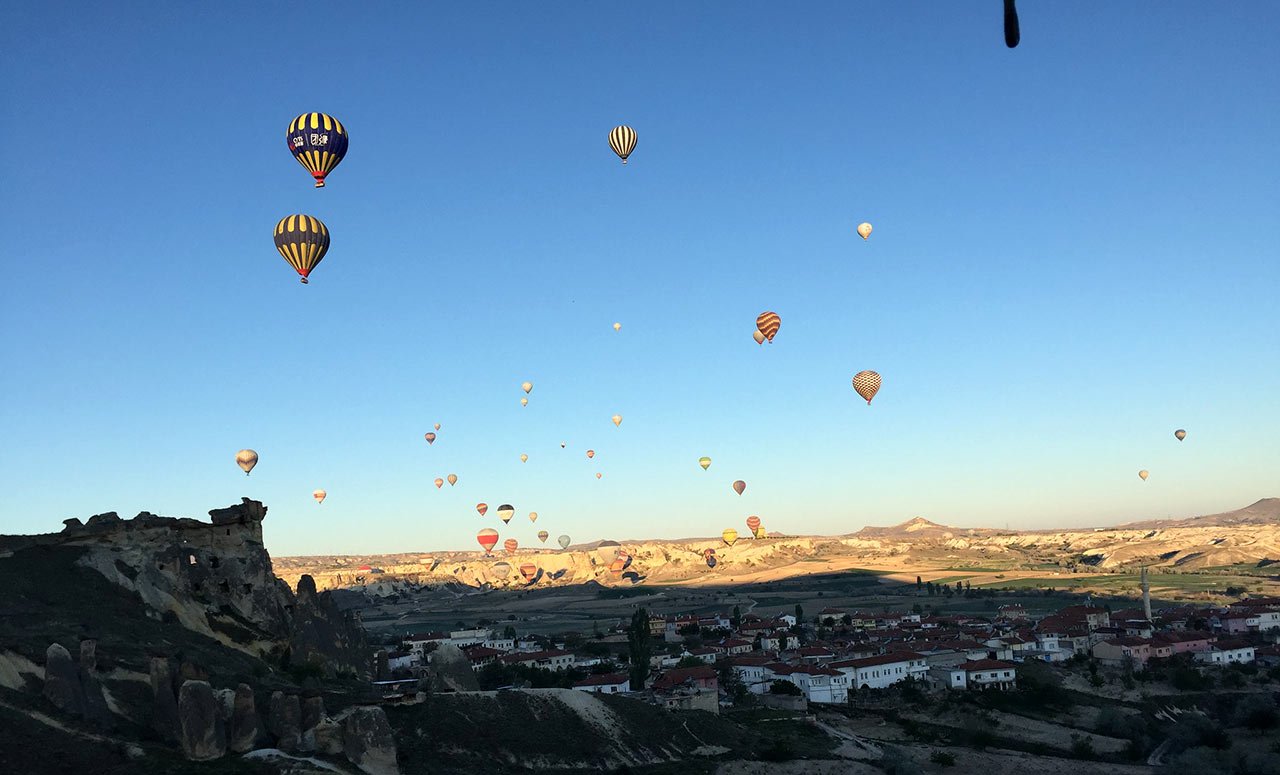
pixel 474 637
pixel 702 677
pixel 479 656
pixel 1118 651
pixel 817 684
pixel 1235 622
pixel 1185 641
pixel 733 647
pixel 418 642
pixel 751 671
pixel 688 688
pixel 401 660
pixel 1226 652
pixel 610 683
pixel 551 659
pixel 882 670
pixel 815 655
pixel 657 626
pixel 788 619
pixel 1091 616
pixel 677 623
pixel 984 674
pixel 706 654
pixel 1268 656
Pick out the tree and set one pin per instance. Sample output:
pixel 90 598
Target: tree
pixel 846 620
pixel 959 586
pixel 784 687
pixel 736 619
pixel 799 614
pixel 639 648
pixel 919 584
pixel 930 588
pixel 509 632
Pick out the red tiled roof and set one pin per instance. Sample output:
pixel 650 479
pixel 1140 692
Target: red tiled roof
pixel 609 679
pixel 1128 641
pixel 985 664
pixel 676 676
pixel 879 659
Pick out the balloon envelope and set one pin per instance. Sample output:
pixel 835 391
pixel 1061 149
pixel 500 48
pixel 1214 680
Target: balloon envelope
pixel 591 453
pixel 599 476
pixel 437 426
pixel 488 538
pixel 864 230
pixel 607 550
pixel 439 483
pixel 622 139
pixel 453 479
pixel 511 545
pixel 768 324
pixel 303 241
pixel 867 383
pixel 500 569
pixel 524 402
pixel 1180 434
pixel 246 459
pixel 563 541
pixel 319 142
pixel 543 536
pixel 739 486
pixel 617 326
pixel 533 516
pixel 617 419
pixel 482 508
pixel 705 462
pixel 729 536
pixel 524 458
pixel 505 512
pixel 430 437
pixel 529 571
pixel 526 386
pixel 319 495
pixel 1143 474
pixel 753 524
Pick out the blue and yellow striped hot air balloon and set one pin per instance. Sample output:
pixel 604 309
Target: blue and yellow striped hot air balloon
pixel 302 240
pixel 318 141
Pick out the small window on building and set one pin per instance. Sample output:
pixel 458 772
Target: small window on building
pixel 191 559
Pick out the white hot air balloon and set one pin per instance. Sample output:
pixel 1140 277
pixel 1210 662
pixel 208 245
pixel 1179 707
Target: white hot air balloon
pixel 246 459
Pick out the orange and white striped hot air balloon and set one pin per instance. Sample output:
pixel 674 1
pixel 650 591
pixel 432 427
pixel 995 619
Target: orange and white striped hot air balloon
pixel 529 571
pixel 867 383
pixel 511 545
pixel 482 508
pixel 753 524
pixel 768 324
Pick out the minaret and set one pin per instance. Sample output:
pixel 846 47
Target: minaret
pixel 1146 594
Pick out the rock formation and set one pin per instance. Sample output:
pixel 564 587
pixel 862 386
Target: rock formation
pixel 202 733
pixel 242 733
pixel 368 742
pixel 164 716
pixel 95 702
pixel 450 670
pixel 284 720
pixel 62 681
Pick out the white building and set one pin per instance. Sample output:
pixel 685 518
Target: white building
pixel 1226 653
pixel 751 671
pixel 604 684
pixel 818 684
pixel 984 674
pixel 882 670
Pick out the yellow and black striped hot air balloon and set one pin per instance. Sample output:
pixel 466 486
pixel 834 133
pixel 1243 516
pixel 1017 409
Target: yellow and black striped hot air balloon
pixel 623 141
pixel 768 324
pixel 318 141
pixel 302 240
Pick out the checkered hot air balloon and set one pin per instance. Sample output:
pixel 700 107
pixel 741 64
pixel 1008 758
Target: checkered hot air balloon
pixel 867 383
pixel 622 139
pixel 768 324
pixel 319 143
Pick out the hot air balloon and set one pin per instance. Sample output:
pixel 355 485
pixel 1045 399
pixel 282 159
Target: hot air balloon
pixel 529 571
pixel 506 512
pixel 543 536
pixel 864 230
pixel 617 326
pixel 607 550
pixel 753 524
pixel 526 386
pixel 760 532
pixel 705 462
pixel 739 486
pixel 759 337
pixel 591 453
pixel 729 536
pixel 439 483
pixel 563 541
pixel 599 476
pixel 318 141
pixel 533 516
pixel 453 479
pixel 246 459
pixel 1180 434
pixel 617 566
pixel 319 495
pixel 437 426
pixel 430 437
pixel 511 545
pixel 768 324
pixel 524 402
pixel 1012 34
pixel 617 420
pixel 482 508
pixel 622 139
pixel 867 383
pixel 500 569
pixel 1143 474
pixel 524 458
pixel 303 240
pixel 488 538
pixel 562 445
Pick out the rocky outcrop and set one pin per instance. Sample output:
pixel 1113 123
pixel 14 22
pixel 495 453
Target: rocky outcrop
pixel 326 737
pixel 95 702
pixel 202 732
pixel 368 742
pixel 284 720
pixel 62 680
pixel 164 715
pixel 451 671
pixel 242 732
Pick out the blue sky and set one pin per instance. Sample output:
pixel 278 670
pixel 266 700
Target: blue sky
pixel 1074 254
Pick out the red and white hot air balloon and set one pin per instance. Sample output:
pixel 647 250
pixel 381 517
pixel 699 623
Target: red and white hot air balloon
pixel 488 538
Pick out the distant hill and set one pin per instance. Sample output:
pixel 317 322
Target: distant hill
pixel 1264 512
pixel 919 527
